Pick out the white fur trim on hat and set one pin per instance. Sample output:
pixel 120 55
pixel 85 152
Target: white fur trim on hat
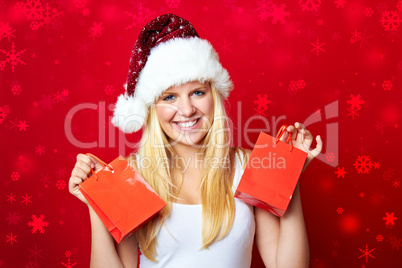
pixel 129 113
pixel 178 61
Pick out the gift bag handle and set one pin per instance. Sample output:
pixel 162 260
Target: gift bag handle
pixel 100 161
pixel 281 132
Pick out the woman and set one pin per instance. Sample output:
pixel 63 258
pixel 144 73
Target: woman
pixel 175 92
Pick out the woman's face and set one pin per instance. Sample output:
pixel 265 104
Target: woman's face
pixel 186 112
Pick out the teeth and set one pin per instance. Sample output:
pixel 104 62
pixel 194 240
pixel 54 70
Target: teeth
pixel 188 124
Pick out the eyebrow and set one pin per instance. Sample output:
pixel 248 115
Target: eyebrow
pixel 168 93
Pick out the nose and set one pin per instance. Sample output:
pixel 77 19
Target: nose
pixel 186 107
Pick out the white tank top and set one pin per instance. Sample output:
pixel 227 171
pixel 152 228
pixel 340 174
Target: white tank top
pixel 180 238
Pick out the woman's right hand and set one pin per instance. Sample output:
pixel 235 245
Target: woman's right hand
pixel 81 172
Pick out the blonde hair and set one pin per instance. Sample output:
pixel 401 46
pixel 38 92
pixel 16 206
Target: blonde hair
pixel 218 208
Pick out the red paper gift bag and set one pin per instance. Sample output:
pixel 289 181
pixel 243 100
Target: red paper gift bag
pixel 271 174
pixel 122 199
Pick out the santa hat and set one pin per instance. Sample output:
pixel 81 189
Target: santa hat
pixel 168 53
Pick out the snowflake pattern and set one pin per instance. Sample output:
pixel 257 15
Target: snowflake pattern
pixel 13 218
pixel 390 20
pixel 361 37
pixel 363 164
pixel 379 238
pixel 96 30
pixel 12 57
pixel 368 12
pixel 26 199
pixel 173 3
pixel 68 264
pixel 389 219
pixel 395 183
pixel 11 198
pixel 396 243
pixel 387 85
pixel 262 103
pixel 388 174
pixel 40 150
pixel 84 47
pixel 399 5
pixel 37 224
pixel 295 85
pixel 35 253
pixel 22 125
pixel 15 176
pixel 366 253
pixel 6 31
pixel 32 264
pixel 80 3
pixel 32 9
pixel 355 103
pixel 264 9
pixel 16 89
pixel 310 5
pixel 11 238
pixel 61 172
pixel 3 114
pixel 61 184
pixel 46 102
pixel 38 15
pixel 340 3
pixel 267 9
pixel 317 47
pixel 340 172
pixel 279 14
pixel 61 96
pixel 139 15
pixel 109 90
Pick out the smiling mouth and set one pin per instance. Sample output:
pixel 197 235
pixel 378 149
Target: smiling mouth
pixel 188 124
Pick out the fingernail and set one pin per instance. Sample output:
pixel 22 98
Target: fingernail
pixel 92 165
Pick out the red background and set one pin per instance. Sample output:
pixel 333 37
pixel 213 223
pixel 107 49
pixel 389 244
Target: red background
pixel 76 52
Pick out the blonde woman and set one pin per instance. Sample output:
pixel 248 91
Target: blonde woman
pixel 175 92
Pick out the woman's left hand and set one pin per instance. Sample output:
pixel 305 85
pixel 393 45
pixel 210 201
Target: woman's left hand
pixel 302 139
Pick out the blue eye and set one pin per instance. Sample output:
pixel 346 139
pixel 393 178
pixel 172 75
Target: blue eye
pixel 199 93
pixel 170 97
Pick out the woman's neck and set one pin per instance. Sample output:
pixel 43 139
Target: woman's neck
pixel 188 157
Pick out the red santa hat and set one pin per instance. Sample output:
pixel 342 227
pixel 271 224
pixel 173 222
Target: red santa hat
pixel 168 53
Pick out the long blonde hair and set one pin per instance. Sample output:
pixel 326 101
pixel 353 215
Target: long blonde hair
pixel 218 208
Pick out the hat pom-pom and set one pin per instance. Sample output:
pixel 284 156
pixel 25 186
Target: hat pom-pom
pixel 129 114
